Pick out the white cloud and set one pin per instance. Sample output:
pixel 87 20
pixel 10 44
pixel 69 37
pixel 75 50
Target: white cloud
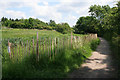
pixel 66 10
pixel 45 11
pixel 45 3
pixel 15 14
pixel 71 19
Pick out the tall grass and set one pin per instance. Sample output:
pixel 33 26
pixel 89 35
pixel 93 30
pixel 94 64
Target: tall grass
pixel 30 33
pixel 114 41
pixel 65 61
pixel 58 66
pixel 115 47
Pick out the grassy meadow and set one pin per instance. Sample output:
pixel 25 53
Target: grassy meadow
pixel 67 58
pixel 8 33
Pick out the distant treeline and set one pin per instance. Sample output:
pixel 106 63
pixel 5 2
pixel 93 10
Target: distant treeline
pixel 32 23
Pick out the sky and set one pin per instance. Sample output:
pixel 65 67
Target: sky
pixel 58 10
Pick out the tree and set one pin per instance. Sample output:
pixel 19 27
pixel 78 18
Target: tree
pixel 4 21
pixel 52 23
pixel 32 23
pixel 27 24
pixel 17 25
pixel 100 12
pixel 86 25
pixel 63 28
pixel 16 19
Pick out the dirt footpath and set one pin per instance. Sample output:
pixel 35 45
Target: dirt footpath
pixel 99 65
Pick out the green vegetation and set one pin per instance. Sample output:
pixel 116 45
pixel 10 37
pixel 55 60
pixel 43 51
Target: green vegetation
pixel 25 33
pixel 66 60
pixel 28 34
pixel 86 25
pixel 94 44
pixel 104 21
pixel 63 63
pixel 32 23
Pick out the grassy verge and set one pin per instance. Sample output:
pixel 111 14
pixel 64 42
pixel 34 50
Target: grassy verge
pixel 115 46
pixel 64 62
pixel 114 41
pixel 94 44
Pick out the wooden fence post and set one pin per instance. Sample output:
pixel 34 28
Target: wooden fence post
pixel 12 51
pixel 33 45
pixel 37 48
pixel 43 45
pixel 22 49
pixel 26 47
pixel 40 49
pixel 63 43
pixel 29 47
pixel 48 47
pixel 96 36
pixel 71 39
pixel 19 52
pixel 80 44
pixel 53 48
pixel 84 40
pixel 15 48
pixel 68 42
pixel 9 49
pixel 58 45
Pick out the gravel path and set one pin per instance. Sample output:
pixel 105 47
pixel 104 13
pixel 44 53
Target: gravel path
pixel 99 65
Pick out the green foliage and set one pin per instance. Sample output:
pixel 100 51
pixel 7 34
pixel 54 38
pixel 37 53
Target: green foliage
pixel 94 44
pixel 32 23
pixel 109 20
pixel 99 11
pixel 63 28
pixel 94 23
pixel 115 46
pixel 104 21
pixel 28 33
pixel 52 24
pixel 65 61
pixel 86 25
pixel 17 25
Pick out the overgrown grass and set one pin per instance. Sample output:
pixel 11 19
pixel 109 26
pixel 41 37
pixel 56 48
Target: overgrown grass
pixel 65 61
pixel 114 41
pixel 94 44
pixel 17 36
pixel 8 33
pixel 115 47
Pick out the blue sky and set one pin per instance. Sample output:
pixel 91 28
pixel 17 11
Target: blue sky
pixel 59 10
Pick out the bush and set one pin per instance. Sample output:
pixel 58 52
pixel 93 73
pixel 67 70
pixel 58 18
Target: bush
pixel 115 47
pixel 17 25
pixel 94 44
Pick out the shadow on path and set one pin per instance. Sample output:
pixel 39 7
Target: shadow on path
pixel 99 65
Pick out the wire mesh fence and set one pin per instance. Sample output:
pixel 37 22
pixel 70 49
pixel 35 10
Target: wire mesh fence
pixel 40 46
